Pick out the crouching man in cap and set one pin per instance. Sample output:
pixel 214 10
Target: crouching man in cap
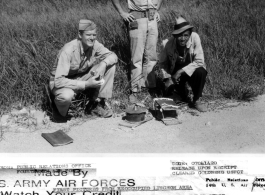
pixel 85 65
pixel 181 61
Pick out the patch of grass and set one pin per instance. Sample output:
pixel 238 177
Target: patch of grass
pixel 32 32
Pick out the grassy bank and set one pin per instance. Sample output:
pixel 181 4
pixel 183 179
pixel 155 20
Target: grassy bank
pixel 32 32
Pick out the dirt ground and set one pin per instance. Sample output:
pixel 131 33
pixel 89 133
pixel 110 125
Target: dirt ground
pixel 232 128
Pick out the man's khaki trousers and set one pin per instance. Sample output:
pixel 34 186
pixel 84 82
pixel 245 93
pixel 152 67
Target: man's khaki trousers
pixel 143 54
pixel 64 96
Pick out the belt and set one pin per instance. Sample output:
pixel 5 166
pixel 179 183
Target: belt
pixel 141 14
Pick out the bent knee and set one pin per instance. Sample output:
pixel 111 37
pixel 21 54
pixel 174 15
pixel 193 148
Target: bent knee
pixel 111 69
pixel 200 71
pixel 65 97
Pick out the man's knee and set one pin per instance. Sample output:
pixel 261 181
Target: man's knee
pixel 201 72
pixel 111 70
pixel 64 97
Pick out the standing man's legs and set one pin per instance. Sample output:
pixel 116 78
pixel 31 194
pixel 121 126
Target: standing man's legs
pixel 150 55
pixel 137 47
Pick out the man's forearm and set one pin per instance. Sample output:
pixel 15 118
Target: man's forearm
pixel 63 82
pixel 102 68
pixel 159 4
pixel 111 59
pixel 117 6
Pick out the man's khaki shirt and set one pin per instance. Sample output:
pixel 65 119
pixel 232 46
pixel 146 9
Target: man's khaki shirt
pixel 169 56
pixel 73 61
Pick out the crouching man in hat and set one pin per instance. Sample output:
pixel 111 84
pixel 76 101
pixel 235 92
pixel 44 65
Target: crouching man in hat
pixel 181 61
pixel 85 65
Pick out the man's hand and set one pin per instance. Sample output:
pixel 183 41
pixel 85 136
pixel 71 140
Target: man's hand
pixel 168 83
pixel 93 83
pixel 168 86
pixel 127 17
pixel 177 75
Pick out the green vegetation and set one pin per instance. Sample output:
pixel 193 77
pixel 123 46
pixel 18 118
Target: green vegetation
pixel 33 31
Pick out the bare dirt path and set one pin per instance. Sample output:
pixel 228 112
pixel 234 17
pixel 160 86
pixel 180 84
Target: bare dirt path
pixel 238 129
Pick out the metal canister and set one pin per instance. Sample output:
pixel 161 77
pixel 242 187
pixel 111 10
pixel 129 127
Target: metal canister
pixel 135 113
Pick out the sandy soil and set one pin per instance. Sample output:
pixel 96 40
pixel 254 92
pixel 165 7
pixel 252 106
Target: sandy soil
pixel 239 129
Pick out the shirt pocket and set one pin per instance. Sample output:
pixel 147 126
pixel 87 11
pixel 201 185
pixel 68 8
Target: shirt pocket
pixel 133 25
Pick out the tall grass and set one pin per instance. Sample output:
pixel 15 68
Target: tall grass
pixel 32 32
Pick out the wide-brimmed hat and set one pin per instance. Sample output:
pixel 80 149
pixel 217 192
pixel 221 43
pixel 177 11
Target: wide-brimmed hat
pixel 181 26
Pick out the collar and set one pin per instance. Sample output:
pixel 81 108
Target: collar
pixel 83 48
pixel 189 43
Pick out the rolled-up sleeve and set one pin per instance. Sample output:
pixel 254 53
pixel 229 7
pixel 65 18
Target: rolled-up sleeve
pixel 164 61
pixel 198 56
pixel 105 55
pixel 62 70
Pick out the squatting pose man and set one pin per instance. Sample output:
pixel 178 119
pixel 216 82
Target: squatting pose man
pixel 85 65
pixel 142 23
pixel 182 60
